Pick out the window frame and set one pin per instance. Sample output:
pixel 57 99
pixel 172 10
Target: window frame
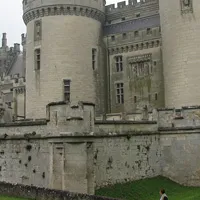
pixel 37 53
pixel 94 58
pixel 119 63
pixel 66 90
pixel 119 87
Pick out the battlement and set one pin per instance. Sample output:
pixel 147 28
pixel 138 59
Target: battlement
pixel 37 8
pixel 12 79
pixel 140 117
pixel 122 6
pixel 74 118
pixel 5 50
pixel 184 118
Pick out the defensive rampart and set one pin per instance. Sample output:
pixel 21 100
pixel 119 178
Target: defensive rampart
pixel 70 151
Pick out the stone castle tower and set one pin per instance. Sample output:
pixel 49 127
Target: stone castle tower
pixel 180 21
pixel 61 48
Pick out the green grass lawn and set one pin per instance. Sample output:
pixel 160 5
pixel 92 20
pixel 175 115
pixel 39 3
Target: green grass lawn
pixel 10 198
pixel 148 189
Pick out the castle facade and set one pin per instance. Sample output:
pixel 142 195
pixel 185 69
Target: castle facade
pixel 123 59
pixel 111 94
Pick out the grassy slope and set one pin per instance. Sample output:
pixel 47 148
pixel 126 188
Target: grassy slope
pixel 10 198
pixel 148 189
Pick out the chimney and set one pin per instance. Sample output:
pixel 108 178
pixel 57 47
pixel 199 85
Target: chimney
pixel 4 40
pixel 23 39
pixel 16 47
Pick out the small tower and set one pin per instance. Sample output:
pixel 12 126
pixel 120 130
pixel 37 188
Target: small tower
pixel 4 40
pixel 180 22
pixel 61 45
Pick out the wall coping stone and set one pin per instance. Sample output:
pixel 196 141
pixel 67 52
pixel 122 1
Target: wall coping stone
pixel 179 109
pixel 68 103
pixel 37 193
pixel 98 122
pixel 165 109
pixel 191 107
pixel 78 135
pixel 189 128
pixel 24 123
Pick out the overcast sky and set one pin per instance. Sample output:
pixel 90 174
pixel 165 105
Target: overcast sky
pixel 11 19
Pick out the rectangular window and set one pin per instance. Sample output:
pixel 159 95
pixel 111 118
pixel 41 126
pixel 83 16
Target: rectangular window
pixel 156 96
pixel 135 99
pixel 94 55
pixel 119 63
pixel 124 35
pixel 113 38
pixel 66 90
pixel 120 93
pixel 37 59
pixel 149 31
pixel 136 33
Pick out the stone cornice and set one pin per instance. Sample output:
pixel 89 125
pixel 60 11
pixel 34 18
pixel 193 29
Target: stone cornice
pixel 63 10
pixel 134 47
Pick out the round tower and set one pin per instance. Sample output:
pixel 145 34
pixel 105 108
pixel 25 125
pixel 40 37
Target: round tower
pixel 180 25
pixel 61 50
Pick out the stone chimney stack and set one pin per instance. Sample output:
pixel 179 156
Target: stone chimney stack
pixel 4 40
pixel 16 47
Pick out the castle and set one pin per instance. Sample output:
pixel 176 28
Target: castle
pixel 110 95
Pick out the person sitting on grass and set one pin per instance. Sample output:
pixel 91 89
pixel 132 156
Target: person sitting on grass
pixel 163 195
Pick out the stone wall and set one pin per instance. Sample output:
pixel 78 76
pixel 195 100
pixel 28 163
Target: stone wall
pixel 180 156
pixel 179 139
pixel 175 119
pixel 119 159
pixel 69 151
pixel 79 164
pixel 31 192
pixel 25 161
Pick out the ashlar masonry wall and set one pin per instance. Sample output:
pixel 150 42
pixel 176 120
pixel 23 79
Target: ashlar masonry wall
pixel 180 144
pixel 71 152
pixel 68 151
pixel 78 163
pixel 180 156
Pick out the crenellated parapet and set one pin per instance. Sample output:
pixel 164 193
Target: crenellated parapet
pixel 132 10
pixel 13 83
pixel 12 79
pixel 185 118
pixel 73 118
pixel 121 6
pixel 34 9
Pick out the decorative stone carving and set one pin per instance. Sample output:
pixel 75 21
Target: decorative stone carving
pixel 186 6
pixel 135 47
pixel 63 10
pixel 141 65
pixel 38 30
pixel 20 90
